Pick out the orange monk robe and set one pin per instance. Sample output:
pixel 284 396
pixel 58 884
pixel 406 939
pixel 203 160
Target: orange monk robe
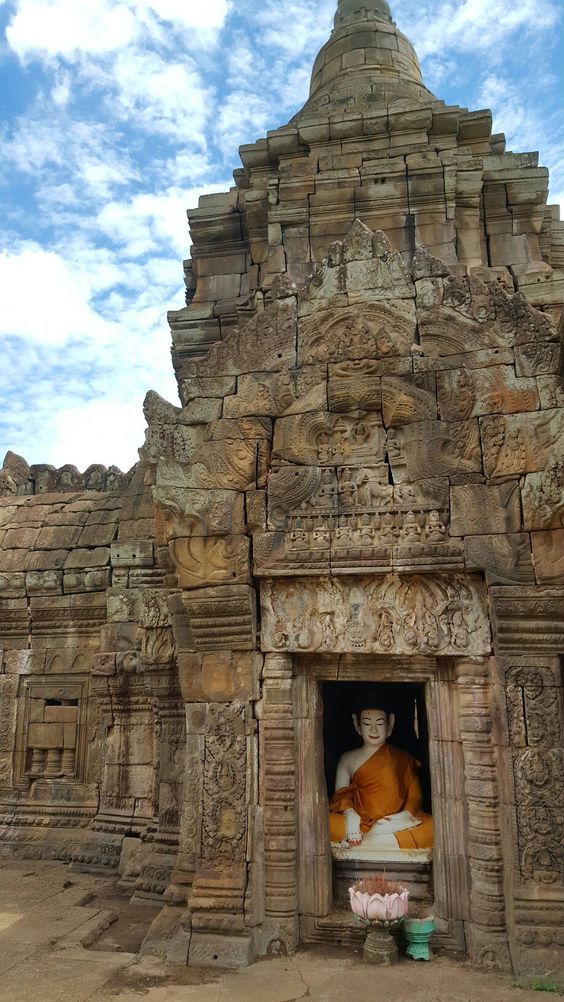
pixel 385 784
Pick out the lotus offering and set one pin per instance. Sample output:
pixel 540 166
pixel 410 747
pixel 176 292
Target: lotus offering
pixel 380 904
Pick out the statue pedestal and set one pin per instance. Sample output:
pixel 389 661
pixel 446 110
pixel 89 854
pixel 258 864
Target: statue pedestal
pixel 380 947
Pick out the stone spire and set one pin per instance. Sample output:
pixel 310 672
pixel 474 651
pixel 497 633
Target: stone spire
pixel 366 63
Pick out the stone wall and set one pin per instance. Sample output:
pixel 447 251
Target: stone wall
pixel 363 481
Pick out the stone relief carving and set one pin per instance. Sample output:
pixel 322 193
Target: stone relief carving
pixel 325 439
pixel 367 331
pixel 411 614
pixel 534 707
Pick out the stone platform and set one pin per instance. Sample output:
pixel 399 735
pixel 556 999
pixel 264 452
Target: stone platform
pixel 48 913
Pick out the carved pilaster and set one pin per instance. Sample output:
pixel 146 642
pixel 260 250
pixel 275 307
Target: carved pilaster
pixel 535 722
pixel 487 936
pixel 221 936
pixel 161 839
pixel 279 799
pixel 128 791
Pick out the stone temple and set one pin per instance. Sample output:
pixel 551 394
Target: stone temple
pixel 363 486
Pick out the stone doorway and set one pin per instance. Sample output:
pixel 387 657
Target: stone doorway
pixel 412 866
pixel 322 881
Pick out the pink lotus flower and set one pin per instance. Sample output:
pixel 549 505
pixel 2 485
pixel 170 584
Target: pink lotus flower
pixel 379 907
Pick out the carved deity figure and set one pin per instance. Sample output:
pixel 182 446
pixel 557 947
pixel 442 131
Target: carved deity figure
pixel 377 800
pixel 411 528
pixel 435 531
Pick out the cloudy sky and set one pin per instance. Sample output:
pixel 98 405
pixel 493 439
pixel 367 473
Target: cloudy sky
pixel 117 114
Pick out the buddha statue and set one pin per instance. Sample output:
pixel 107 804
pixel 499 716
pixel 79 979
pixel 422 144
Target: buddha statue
pixel 377 800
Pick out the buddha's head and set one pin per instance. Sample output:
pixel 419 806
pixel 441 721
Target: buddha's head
pixel 373 722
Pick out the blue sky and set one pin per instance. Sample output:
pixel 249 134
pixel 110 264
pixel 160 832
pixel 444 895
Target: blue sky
pixel 117 114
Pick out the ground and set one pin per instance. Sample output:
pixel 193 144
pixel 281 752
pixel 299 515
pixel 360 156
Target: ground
pixel 68 937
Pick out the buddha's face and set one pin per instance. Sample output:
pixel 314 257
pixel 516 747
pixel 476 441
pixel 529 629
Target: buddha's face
pixel 374 727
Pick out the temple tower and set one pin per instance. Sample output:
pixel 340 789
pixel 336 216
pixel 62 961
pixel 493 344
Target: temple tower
pixel 362 487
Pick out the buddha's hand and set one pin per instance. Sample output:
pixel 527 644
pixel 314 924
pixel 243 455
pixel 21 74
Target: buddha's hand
pixel 352 827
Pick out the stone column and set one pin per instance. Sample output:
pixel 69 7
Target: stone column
pixel 278 797
pixel 534 702
pixel 160 848
pixel 221 935
pixel 486 929
pixel 128 785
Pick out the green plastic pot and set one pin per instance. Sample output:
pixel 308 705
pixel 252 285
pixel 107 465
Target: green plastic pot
pixel 418 932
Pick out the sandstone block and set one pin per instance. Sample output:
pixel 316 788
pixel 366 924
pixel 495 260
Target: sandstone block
pixel 551 391
pixel 327 439
pixel 380 331
pixel 255 508
pixel 464 393
pixel 290 487
pixel 182 512
pixel 12 584
pixel 505 559
pixel 264 343
pixel 45 735
pixel 477 509
pixel 548 555
pixel 273 393
pixel 520 443
pixel 43 582
pixel 118 637
pixel 194 387
pixel 104 664
pixel 92 580
pixel 538 359
pixel 60 714
pixel 543 497
pixel 21 538
pixel 244 428
pixel 69 735
pixel 98 535
pixel 210 560
pixel 138 554
pixel 354 385
pixel 408 398
pixel 221 675
pixel 81 558
pixel 426 449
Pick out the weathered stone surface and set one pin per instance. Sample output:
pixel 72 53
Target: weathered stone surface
pixel 291 488
pixel 538 359
pixel 520 443
pixel 445 615
pixel 408 398
pixel 210 560
pixel 548 555
pixel 434 449
pixel 505 559
pixel 543 497
pixel 265 343
pixel 222 675
pixel 292 391
pixel 183 512
pixel 354 385
pixel 326 439
pixel 463 393
pixel 377 331
pixel 477 509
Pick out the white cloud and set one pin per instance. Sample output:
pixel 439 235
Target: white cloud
pixel 58 308
pixel 473 25
pixel 151 219
pixel 65 27
pixel 105 431
pixel 206 16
